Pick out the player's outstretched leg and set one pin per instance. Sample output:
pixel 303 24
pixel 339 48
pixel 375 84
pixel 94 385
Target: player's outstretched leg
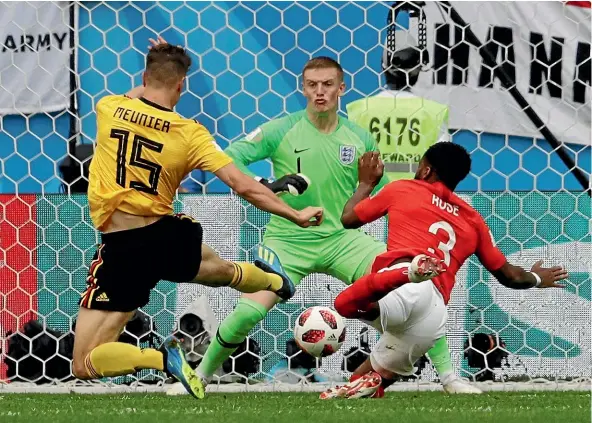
pixel 177 367
pixel 250 310
pixel 439 355
pixel 267 260
pixel 233 330
pixel 97 353
pixel 248 278
pixel 356 300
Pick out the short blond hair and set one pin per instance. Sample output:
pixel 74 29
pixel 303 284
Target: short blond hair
pixel 323 62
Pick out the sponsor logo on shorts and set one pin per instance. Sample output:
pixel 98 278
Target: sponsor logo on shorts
pixel 102 297
pixel 390 347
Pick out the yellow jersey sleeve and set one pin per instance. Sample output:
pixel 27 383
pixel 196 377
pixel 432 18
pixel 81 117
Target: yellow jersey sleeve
pixel 204 153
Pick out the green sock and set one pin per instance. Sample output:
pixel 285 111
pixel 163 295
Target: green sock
pixel 440 357
pixel 232 331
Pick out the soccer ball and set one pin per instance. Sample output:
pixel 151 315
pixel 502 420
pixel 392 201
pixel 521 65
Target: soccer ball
pixel 319 331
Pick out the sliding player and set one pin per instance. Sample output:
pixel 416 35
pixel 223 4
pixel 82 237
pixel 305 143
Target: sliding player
pixel 432 232
pixel 405 126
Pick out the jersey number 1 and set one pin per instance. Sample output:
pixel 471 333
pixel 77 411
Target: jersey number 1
pixel 445 248
pixel 137 161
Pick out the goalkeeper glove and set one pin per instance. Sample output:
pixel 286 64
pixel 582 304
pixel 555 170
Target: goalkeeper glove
pixel 295 184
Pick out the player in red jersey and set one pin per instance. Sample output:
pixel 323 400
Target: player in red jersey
pixel 431 233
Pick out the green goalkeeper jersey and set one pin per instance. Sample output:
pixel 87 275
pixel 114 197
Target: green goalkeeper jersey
pixel 330 161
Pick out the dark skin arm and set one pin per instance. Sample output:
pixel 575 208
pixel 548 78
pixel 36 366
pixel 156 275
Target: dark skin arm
pixel 515 277
pixel 370 171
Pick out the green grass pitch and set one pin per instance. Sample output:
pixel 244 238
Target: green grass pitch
pixel 408 407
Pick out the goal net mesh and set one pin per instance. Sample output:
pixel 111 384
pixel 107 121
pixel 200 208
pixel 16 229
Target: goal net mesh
pixel 248 58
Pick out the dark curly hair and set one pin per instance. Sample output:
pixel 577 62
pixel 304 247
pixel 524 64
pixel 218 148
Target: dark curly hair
pixel 451 162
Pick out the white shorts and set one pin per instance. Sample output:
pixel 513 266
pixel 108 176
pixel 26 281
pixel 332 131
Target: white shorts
pixel 412 318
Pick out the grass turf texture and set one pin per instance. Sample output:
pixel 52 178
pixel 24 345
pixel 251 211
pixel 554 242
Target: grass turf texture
pixel 408 407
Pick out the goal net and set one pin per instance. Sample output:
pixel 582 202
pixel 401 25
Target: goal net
pixel 247 60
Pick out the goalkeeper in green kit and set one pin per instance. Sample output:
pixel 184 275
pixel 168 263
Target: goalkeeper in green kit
pixel 314 154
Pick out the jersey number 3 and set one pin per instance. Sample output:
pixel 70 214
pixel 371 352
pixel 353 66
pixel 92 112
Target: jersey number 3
pixel 137 161
pixel 445 248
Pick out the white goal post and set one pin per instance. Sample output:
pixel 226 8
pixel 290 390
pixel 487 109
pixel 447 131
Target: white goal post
pixel 57 59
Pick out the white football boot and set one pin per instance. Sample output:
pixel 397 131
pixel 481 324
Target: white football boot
pixel 456 385
pixel 424 268
pixel 364 387
pixel 336 392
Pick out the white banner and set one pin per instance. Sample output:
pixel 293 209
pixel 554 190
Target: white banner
pixel 35 56
pixel 544 46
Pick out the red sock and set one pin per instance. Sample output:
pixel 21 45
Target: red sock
pixel 357 299
pixel 379 393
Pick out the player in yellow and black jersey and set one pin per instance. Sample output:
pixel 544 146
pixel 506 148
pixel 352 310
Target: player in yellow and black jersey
pixel 143 151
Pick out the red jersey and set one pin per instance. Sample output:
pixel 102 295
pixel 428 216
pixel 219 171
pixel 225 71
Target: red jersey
pixel 426 218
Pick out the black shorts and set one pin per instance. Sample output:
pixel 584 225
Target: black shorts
pixel 129 264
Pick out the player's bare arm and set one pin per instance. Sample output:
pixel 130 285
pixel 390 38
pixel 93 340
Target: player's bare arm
pixel 370 171
pixel 264 199
pixel 516 277
pixel 511 276
pixel 258 194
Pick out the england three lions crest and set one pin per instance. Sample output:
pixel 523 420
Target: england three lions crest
pixel 347 154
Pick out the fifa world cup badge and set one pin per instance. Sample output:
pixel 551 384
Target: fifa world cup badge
pixel 347 154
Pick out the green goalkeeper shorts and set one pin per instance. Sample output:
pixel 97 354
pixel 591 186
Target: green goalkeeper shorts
pixel 346 255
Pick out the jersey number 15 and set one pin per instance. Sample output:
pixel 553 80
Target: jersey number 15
pixel 136 160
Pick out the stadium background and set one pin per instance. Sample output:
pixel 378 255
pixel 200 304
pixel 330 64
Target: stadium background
pixel 231 91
